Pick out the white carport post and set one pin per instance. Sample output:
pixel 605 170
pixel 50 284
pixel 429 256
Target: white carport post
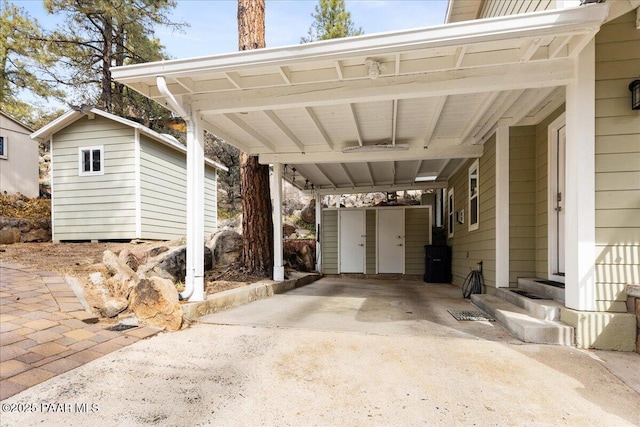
pixel 318 199
pixel 195 208
pixel 580 184
pixel 278 264
pixel 502 206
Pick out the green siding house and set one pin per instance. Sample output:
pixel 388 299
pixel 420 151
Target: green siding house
pixel 113 179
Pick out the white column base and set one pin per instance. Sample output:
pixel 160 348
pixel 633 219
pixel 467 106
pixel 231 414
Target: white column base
pixel 278 273
pixel 198 289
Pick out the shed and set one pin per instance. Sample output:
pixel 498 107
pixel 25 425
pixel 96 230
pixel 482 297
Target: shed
pixel 18 158
pixel 113 178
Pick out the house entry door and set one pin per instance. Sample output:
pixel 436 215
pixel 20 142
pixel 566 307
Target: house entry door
pixel 352 240
pixel 557 197
pixel 390 241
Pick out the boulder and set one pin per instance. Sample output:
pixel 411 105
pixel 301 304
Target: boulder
pixel 113 306
pixel 116 266
pixel 308 214
pixel 9 236
pixel 288 228
pixel 155 301
pixel 227 247
pixel 154 252
pixel 308 257
pixel 175 263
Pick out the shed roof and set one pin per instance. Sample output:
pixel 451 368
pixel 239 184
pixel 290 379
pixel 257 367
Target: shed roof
pixel 376 112
pixel 71 116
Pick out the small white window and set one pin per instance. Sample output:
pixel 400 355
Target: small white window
pixel 91 160
pixel 450 213
pixel 474 191
pixel 3 147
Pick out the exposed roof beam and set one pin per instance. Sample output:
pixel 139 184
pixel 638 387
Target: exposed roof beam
pixel 284 129
pixel 437 111
pixel 555 101
pixel 491 78
pixel 210 127
pixel 356 123
pixel 558 47
pixel 531 103
pixel 444 166
pixel 339 70
pixel 234 78
pixel 417 169
pixel 286 74
pixel 460 52
pixel 324 173
pixel 501 109
pixel 485 105
pixel 370 172
pixel 433 152
pixel 529 49
pixel 251 131
pixel 186 83
pixel 319 127
pixel 384 188
pixel 346 172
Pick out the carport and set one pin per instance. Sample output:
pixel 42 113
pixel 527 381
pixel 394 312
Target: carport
pixel 386 112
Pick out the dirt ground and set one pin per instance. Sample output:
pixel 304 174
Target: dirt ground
pixel 79 260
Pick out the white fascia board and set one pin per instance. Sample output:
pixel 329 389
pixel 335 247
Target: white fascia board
pixel 382 188
pixel 58 124
pixel 583 19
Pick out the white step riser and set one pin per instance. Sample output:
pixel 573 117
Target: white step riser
pixel 524 327
pixel 541 289
pixel 540 309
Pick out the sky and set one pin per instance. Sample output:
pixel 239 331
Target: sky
pixel 213 23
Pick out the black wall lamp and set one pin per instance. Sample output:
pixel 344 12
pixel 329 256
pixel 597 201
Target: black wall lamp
pixel 634 87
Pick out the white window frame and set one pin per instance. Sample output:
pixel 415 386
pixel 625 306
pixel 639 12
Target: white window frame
pixel 5 142
pixel 451 214
pixel 82 172
pixel 474 198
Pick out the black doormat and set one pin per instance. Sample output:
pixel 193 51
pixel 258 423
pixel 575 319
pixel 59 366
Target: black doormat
pixel 473 315
pixel 551 283
pixel 528 294
pixel 121 327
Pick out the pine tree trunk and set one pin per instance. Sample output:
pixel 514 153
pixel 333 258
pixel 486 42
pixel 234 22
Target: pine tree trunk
pixel 257 222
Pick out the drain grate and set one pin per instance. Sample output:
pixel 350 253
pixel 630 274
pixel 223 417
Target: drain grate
pixel 120 327
pixel 528 294
pixel 472 315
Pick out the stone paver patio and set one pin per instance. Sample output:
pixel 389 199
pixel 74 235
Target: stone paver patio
pixel 45 331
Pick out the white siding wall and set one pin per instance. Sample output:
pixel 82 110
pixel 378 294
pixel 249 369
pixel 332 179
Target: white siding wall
pixel 19 170
pixel 98 207
pixel 617 163
pixel 210 199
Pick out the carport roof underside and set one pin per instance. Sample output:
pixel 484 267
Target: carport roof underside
pixel 376 112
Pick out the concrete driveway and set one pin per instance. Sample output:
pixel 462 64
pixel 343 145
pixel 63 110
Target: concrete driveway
pixel 338 352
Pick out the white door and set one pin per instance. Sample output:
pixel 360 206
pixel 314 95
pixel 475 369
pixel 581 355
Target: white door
pixel 390 241
pixel 560 201
pixel 352 240
pixel 557 197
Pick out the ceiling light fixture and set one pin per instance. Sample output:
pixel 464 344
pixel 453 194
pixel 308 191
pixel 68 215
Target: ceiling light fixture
pixel 426 177
pixel 375 68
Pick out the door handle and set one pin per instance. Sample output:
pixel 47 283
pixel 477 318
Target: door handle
pixel 399 244
pixel 360 244
pixel 559 208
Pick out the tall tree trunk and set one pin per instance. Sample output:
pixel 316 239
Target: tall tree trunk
pixel 257 222
pixel 106 96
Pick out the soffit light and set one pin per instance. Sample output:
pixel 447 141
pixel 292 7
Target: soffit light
pixel 426 177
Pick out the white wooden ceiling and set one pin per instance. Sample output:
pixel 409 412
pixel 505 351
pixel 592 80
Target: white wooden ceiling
pixel 440 93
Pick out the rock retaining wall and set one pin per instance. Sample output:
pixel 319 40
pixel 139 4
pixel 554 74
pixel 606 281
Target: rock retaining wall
pixel 14 230
pixel 633 307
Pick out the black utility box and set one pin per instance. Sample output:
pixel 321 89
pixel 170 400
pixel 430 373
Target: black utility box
pixel 437 264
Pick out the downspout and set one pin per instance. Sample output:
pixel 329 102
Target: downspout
pixel 175 105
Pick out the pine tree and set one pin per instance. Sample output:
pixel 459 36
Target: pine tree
pixel 257 223
pixel 331 21
pixel 100 34
pixel 21 54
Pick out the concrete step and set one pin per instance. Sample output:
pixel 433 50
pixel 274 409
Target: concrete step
pixel 533 285
pixel 544 309
pixel 522 325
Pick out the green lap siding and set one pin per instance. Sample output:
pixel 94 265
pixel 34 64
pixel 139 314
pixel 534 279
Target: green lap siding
pixel 371 266
pixel 417 224
pixel 95 207
pixel 617 163
pixel 329 242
